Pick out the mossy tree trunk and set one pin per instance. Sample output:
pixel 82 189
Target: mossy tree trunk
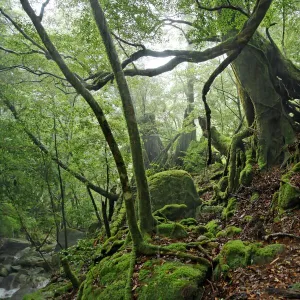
pixel 263 104
pixel 189 134
pixel 147 221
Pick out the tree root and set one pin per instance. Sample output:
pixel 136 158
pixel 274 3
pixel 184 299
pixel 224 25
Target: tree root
pixel 281 234
pixel 290 294
pixel 128 287
pixel 236 141
pixel 148 249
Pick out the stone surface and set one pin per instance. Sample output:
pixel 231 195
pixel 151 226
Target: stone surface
pixel 73 236
pixel 12 246
pixel 173 187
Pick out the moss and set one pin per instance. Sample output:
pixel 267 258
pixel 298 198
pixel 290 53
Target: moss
pixel 254 197
pixel 229 231
pixel 107 280
pixel 235 254
pixel 200 229
pixel 213 227
pixel 211 209
pixel 230 209
pixel 223 183
pixel 246 174
pixel 289 196
pixel 247 219
pixel 177 247
pixel 51 291
pixel 296 286
pixel 173 187
pixel 172 212
pixel 170 280
pixel 267 254
pixel 188 222
pixel 173 230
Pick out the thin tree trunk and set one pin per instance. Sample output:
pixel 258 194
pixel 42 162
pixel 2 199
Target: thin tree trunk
pixel 62 192
pixel 146 219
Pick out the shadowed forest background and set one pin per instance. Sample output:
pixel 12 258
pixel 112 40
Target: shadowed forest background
pixel 149 149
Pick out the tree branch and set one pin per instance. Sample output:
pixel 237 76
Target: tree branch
pixel 44 149
pixel 43 9
pixel 231 44
pixel 220 7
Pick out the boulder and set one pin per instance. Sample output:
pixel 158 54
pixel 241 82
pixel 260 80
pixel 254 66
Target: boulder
pixel 12 246
pixel 73 236
pixel 3 271
pixel 173 187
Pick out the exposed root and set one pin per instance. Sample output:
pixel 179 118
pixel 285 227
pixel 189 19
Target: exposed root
pixel 281 234
pixel 148 249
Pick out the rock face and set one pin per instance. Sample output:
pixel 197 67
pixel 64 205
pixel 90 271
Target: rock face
pixel 173 187
pixel 73 236
pixel 22 269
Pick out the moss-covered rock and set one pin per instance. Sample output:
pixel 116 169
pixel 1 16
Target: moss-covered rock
pixel 172 212
pixel 229 231
pixel 213 227
pixel 200 229
pixel 236 254
pixel 230 209
pixel 188 222
pixel 173 187
pixel 171 280
pixel 107 280
pixel 172 230
pixel 267 254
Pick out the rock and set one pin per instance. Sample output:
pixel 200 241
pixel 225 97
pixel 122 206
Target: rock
pixel 172 212
pixel 160 279
pixel 16 268
pixel 173 187
pixel 173 230
pixel 201 238
pixel 73 236
pixel 12 246
pixel 3 271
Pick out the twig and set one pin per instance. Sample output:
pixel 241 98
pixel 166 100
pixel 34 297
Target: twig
pixel 43 9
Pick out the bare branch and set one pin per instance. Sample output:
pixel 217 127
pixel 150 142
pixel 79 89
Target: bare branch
pixel 231 44
pixel 128 43
pixel 35 72
pixel 170 21
pixel 20 53
pixel 26 36
pixel 220 7
pixel 43 9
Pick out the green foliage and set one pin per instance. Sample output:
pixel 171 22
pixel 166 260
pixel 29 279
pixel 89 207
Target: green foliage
pixel 230 209
pixel 172 230
pixel 213 227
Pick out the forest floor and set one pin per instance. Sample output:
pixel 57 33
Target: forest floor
pixel 269 281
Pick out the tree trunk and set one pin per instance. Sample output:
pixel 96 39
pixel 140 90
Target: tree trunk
pixel 262 103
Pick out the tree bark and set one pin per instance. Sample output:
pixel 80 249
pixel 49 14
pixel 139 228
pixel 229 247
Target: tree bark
pixel 145 215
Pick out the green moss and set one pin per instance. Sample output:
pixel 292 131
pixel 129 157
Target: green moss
pixel 246 174
pixel 296 286
pixel 173 187
pixel 247 218
pixel 107 280
pixel 200 229
pixel 177 247
pixel 213 227
pixel 267 254
pixel 51 291
pixel 170 280
pixel 172 212
pixel 173 230
pixel 223 183
pixel 229 231
pixel 235 254
pixel 188 222
pixel 254 197
pixel 289 196
pixel 230 209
